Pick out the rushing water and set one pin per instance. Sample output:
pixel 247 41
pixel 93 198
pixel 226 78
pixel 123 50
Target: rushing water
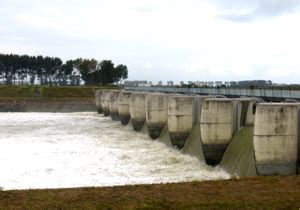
pixel 56 150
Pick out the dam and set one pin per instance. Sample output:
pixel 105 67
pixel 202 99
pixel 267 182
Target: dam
pixel 244 136
pixel 143 138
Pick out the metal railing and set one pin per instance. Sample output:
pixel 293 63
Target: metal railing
pixel 255 92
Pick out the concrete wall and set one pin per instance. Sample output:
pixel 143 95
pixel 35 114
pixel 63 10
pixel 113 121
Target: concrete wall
pixel 105 98
pixel 123 106
pixel 198 107
pixel 180 119
pixel 243 116
pixel 98 94
pixel 276 138
pixel 216 127
pixel 251 113
pixel 137 109
pixel 246 111
pixel 156 113
pixel 113 105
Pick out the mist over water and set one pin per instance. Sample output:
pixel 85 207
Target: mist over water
pixel 59 150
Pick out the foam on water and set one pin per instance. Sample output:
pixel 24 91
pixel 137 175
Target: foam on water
pixel 58 150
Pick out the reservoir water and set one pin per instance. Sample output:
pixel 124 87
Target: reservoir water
pixel 60 150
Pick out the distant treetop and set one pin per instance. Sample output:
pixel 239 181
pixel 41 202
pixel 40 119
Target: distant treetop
pixel 24 69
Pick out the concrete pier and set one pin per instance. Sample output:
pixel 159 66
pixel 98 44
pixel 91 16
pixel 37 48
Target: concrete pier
pixel 216 127
pixel 251 112
pixel 105 98
pixel 123 106
pixel 113 105
pixel 244 115
pixel 276 138
pixel 180 119
pixel 220 127
pixel 137 109
pixel 246 111
pixel 198 107
pixel 98 94
pixel 156 113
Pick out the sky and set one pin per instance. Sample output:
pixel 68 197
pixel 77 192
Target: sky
pixel 178 40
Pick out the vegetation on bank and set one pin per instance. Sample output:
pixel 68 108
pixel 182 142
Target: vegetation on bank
pixel 247 193
pixel 30 70
pixel 50 92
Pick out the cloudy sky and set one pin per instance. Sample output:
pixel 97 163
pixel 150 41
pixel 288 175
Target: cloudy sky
pixel 205 40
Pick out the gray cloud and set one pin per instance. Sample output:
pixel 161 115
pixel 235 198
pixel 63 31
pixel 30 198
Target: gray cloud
pixel 249 10
pixel 158 41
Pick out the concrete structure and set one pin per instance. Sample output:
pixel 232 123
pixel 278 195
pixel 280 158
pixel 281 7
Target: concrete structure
pixel 251 112
pixel 137 109
pixel 238 158
pixel 123 106
pixel 170 83
pixel 217 128
pixel 276 138
pixel 98 94
pixel 156 113
pixel 136 83
pixel 218 83
pixel 263 93
pixel 180 119
pixel 198 106
pixel 245 112
pixel 113 105
pixel 105 98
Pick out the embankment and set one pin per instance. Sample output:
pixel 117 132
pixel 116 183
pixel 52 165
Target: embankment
pixel 46 104
pixel 47 99
pixel 247 193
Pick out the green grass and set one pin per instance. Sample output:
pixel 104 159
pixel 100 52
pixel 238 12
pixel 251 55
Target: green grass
pixel 49 92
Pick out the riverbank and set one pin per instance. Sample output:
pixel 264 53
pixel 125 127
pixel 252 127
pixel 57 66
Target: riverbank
pixel 47 99
pixel 50 92
pixel 47 105
pixel 248 193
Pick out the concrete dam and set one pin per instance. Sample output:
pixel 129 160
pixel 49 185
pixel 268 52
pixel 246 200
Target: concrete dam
pixel 244 136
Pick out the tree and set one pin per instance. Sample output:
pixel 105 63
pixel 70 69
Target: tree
pixel 121 73
pixel 52 71
pixel 87 69
pixel 106 68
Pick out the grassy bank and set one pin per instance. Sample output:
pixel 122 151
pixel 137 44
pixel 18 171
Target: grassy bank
pixel 48 92
pixel 246 193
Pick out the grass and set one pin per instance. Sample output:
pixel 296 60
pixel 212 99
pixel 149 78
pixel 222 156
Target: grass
pixel 49 92
pixel 275 192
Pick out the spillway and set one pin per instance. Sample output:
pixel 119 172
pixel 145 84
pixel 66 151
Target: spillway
pixel 223 132
pixel 57 150
pixel 238 158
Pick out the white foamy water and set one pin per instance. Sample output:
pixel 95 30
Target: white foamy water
pixel 58 150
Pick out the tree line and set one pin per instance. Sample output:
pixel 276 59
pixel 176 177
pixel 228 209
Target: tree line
pixel 25 69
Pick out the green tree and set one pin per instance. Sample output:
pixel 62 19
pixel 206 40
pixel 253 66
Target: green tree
pixel 87 68
pixel 106 68
pixel 121 73
pixel 53 71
